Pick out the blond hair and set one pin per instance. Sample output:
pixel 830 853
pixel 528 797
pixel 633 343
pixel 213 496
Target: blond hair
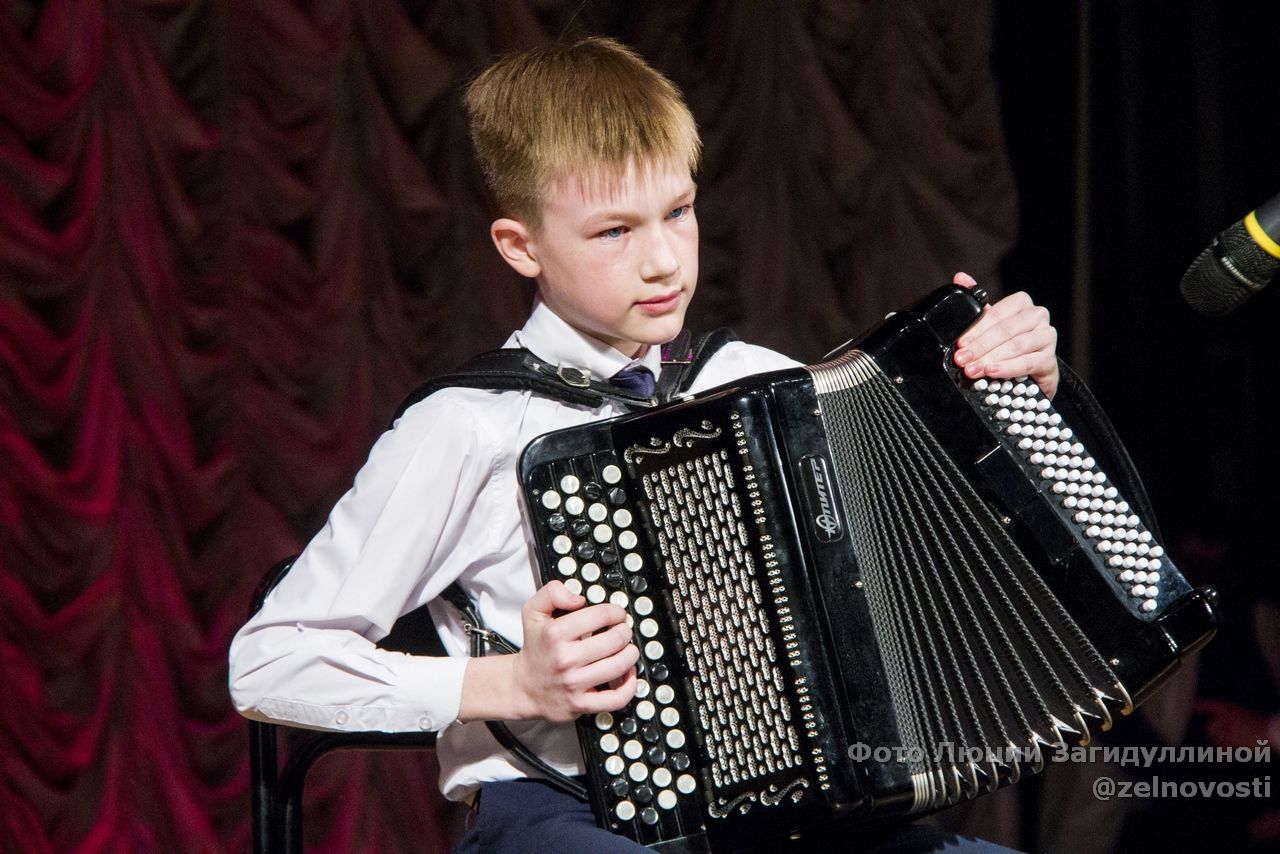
pixel 573 108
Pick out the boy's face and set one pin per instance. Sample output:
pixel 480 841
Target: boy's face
pixel 617 259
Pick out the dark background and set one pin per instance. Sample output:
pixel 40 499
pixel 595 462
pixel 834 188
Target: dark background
pixel 234 233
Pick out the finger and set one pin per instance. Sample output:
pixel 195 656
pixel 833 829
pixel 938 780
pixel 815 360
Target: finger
pixel 1016 356
pixel 611 669
pixel 612 698
pixel 1012 316
pixel 599 646
pixel 586 621
pixel 964 280
pixel 551 597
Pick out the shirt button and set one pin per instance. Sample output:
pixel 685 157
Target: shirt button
pixel 341 718
pixel 426 723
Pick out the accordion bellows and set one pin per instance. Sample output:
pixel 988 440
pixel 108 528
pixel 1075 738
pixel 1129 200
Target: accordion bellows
pixel 863 589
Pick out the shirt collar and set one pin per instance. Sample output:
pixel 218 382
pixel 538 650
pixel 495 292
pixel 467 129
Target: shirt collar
pixel 553 340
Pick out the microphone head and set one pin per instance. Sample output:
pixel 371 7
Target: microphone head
pixel 1232 269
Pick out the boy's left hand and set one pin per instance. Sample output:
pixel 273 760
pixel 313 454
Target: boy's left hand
pixel 1013 338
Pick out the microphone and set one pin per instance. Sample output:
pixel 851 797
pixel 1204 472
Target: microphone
pixel 1237 264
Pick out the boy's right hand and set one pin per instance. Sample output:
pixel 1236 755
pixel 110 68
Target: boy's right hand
pixel 566 658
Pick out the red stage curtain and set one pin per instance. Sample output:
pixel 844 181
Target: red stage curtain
pixel 233 233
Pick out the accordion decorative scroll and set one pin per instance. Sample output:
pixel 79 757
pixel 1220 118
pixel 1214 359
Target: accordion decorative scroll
pixel 861 589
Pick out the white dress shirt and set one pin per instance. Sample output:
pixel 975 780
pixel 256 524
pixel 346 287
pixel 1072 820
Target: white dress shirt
pixel 437 500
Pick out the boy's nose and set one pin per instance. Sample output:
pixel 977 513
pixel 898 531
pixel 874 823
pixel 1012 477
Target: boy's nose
pixel 660 260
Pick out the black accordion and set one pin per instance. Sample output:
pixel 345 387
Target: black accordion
pixel 868 588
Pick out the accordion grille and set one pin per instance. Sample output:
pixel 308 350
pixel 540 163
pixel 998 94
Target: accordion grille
pixel 735 673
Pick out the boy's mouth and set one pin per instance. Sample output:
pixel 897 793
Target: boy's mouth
pixel 658 305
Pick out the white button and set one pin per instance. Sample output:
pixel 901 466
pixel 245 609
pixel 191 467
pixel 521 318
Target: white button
pixel 667 799
pixel 653 649
pixel 590 572
pixel 627 539
pixel 609 743
pixel 649 627
pixel 638 771
pixel 574 586
pixel 603 533
pixel 611 474
pixel 595 594
pixel 597 512
pixel 622 517
pixel 632 749
pixel 551 499
pixel 633 561
pixel 645 710
pixel 642 688
pixel 619 598
pixel 664 694
pixel 644 605
pixel 614 765
pixel 341 718
pixel 625 810
pixel 567 565
pixel 675 739
pixel 661 777
pixel 604 720
pixel 569 483
pixel 426 723
pixel 686 784
pixel 574 505
pixel 670 716
pixel 561 545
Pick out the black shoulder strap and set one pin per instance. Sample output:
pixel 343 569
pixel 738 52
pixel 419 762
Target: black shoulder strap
pixel 516 369
pixel 685 357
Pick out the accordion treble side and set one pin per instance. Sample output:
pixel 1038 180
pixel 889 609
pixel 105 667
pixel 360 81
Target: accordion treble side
pixel 863 589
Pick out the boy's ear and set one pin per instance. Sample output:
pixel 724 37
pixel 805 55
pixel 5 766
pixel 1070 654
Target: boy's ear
pixel 512 239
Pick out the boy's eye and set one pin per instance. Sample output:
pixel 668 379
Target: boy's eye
pixel 612 233
pixel 680 212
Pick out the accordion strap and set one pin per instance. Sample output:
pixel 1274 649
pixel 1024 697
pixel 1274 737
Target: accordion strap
pixel 482 640
pixel 517 369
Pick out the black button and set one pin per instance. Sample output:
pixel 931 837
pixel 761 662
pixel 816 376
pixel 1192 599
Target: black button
pixel 617 495
pixel 628 726
pixel 680 761
pixel 592 491
pixel 619 787
pixel 649 815
pixel 657 755
pixel 638 584
pixel 650 733
pixel 556 522
pixel 580 528
pixel 644 794
pixel 608 556
pixel 613 578
pixel 659 672
pixel 585 550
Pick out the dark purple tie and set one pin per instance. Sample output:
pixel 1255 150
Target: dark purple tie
pixel 637 380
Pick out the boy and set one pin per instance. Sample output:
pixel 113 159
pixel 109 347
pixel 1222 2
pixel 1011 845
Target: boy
pixel 590 154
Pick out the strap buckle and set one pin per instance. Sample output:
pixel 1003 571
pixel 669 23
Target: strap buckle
pixel 572 376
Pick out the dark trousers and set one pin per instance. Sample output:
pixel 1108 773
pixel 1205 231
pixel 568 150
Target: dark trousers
pixel 529 816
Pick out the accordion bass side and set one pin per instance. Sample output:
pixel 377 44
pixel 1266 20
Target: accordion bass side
pixel 867 588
